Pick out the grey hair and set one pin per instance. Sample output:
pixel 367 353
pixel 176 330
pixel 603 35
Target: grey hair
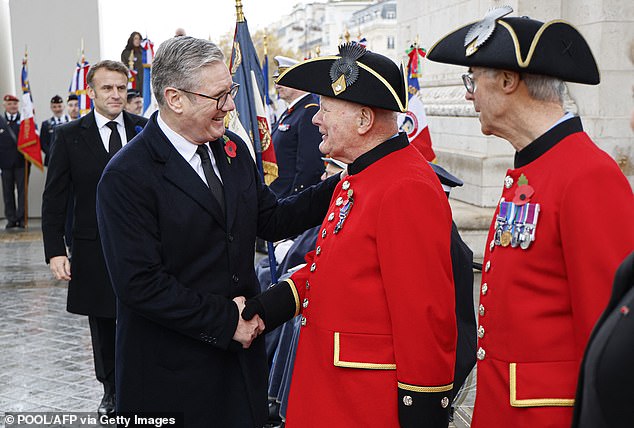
pixel 545 88
pixel 540 87
pixel 177 61
pixel 106 64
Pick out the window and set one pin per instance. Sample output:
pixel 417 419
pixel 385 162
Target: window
pixel 390 42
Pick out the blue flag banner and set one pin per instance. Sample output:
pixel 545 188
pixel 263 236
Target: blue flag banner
pixel 148 56
pixel 245 69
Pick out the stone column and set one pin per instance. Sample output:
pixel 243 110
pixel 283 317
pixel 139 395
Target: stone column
pixel 6 53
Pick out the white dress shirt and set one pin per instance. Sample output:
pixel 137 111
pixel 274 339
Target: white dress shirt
pixel 188 150
pixel 104 131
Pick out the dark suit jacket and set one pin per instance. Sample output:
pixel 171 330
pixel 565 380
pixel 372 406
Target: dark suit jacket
pixel 604 392
pixel 296 141
pixel 47 136
pixel 79 157
pixel 176 262
pixel 10 157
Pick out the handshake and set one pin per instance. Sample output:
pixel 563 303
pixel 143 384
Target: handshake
pixel 265 311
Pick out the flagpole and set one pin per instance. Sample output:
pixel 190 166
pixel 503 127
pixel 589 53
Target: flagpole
pixel 26 172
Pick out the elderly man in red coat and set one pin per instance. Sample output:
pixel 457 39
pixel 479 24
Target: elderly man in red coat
pixel 549 257
pixel 378 338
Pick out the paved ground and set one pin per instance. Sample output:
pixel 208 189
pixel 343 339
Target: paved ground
pixel 46 356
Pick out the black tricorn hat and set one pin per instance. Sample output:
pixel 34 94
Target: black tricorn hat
pixel 355 75
pixel 554 48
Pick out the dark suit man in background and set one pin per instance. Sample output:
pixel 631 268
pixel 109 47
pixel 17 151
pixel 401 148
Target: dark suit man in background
pixel 47 130
pixel 296 139
pixel 82 149
pixel 134 102
pixel 179 210
pixel 12 164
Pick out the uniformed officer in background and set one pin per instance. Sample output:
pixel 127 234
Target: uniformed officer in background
pixel 295 138
pixel 552 248
pixel 47 130
pixel 378 338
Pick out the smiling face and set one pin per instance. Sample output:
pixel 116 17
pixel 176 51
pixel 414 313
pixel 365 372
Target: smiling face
pixel 200 120
pixel 337 121
pixel 108 91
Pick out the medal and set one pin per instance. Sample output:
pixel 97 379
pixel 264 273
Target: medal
pixel 528 235
pixel 505 238
pixel 344 211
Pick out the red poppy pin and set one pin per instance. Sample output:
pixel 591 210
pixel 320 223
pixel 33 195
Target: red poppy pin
pixel 230 148
pixel 523 192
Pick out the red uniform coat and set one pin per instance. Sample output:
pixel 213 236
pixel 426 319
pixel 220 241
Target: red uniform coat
pixel 377 298
pixel 538 306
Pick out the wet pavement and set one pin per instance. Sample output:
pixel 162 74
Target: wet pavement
pixel 46 355
pixel 46 359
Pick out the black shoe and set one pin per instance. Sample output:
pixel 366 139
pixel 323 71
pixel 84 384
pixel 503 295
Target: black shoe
pixel 20 224
pixel 106 407
pixel 11 224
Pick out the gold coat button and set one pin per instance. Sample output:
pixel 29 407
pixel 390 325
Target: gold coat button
pixel 481 310
pixel 331 216
pixel 304 321
pixel 492 245
pixel 323 234
pixel 318 250
pixel 485 288
pixel 408 400
pixel 481 354
pixel 313 267
pixel 305 303
pixel 487 267
pixel 508 181
pixel 345 185
pixel 339 201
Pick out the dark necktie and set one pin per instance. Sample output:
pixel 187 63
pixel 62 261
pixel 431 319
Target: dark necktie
pixel 114 144
pixel 212 179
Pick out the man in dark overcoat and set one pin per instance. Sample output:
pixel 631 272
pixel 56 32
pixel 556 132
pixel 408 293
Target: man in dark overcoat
pixel 178 211
pixel 81 151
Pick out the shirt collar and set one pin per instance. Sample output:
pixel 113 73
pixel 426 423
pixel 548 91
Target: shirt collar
pixel 295 101
pixel 186 149
pixel 397 142
pixel 102 120
pixel 567 125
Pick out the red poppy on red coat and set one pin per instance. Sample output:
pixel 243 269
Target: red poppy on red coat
pixel 523 194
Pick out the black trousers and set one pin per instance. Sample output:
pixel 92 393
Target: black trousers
pixel 102 333
pixel 13 178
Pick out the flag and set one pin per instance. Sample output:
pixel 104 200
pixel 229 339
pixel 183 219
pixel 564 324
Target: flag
pixel 78 86
pixel 268 102
pixel 28 139
pixel 244 61
pixel 269 162
pixel 414 121
pixel 147 56
pixel 132 78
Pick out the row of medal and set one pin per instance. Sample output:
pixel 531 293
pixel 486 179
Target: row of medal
pixel 515 224
pixel 344 206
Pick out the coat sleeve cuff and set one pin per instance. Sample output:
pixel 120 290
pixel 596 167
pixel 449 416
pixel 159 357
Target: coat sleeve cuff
pixel 424 406
pixel 280 303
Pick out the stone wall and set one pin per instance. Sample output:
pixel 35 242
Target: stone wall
pixel 482 161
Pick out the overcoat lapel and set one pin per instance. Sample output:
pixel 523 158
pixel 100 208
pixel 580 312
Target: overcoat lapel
pixel 92 139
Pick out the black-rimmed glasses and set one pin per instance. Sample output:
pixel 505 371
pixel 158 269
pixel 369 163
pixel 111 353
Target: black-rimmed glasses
pixel 469 83
pixel 222 99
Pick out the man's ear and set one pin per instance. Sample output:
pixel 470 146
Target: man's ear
pixel 91 92
pixel 174 99
pixel 365 120
pixel 510 81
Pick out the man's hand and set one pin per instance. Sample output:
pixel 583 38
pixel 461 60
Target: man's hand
pixel 60 266
pixel 246 331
